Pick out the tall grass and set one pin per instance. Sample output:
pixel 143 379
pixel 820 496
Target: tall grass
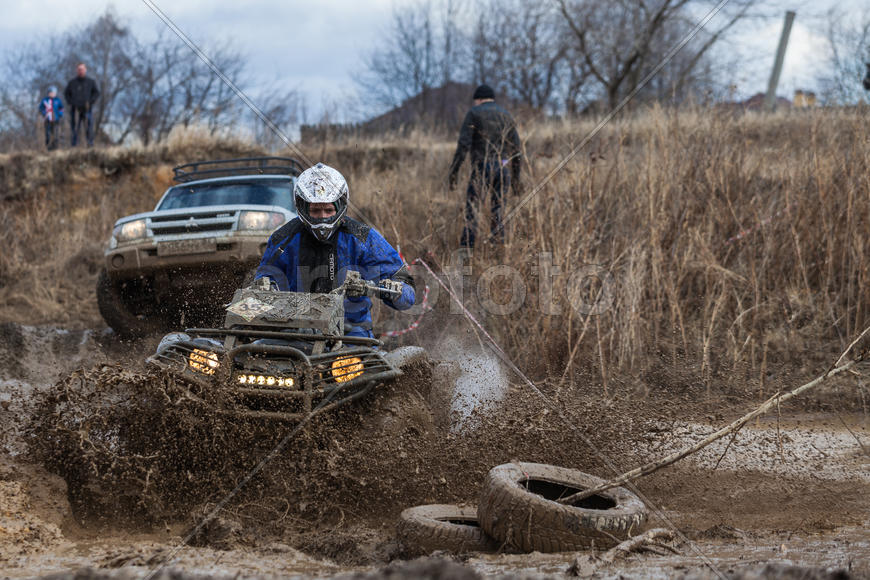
pixel 655 205
pixel 659 202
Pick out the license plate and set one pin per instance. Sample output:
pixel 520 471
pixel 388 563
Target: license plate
pixel 180 247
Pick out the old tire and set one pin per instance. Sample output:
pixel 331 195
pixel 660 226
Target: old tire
pixel 117 314
pixel 518 507
pixel 428 528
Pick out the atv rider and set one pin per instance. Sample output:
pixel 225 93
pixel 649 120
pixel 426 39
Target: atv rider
pixel 313 252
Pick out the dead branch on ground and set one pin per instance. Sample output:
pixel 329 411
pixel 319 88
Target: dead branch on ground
pixel 585 565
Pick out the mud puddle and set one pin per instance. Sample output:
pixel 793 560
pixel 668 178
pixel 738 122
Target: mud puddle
pixel 736 553
pixel 846 550
pixel 136 557
pixel 733 528
pixel 829 447
pixel 791 489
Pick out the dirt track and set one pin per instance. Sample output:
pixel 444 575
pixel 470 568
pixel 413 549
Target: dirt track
pixel 792 490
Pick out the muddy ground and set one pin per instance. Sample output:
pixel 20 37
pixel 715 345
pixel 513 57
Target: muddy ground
pixel 788 497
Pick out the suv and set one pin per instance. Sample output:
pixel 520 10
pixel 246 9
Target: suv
pixel 182 261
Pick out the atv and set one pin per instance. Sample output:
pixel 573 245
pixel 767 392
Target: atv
pixel 282 355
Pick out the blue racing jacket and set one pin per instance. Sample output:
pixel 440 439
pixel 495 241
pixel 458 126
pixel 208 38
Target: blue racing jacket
pixel 298 262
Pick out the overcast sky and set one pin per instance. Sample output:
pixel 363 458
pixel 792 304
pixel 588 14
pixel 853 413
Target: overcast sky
pixel 313 46
pixel 317 46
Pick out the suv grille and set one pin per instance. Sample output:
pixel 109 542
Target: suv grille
pixel 193 222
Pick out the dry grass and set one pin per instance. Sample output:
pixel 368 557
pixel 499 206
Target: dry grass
pixel 653 201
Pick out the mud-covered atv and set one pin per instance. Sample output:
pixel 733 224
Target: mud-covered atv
pixel 282 355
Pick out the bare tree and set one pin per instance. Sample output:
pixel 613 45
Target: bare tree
pixel 147 89
pixel 517 48
pixel 420 50
pixel 848 39
pixel 103 45
pixel 285 108
pixel 621 41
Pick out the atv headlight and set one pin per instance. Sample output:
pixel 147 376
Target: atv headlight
pixel 134 230
pixel 265 380
pixel 260 220
pixel 347 369
pixel 203 361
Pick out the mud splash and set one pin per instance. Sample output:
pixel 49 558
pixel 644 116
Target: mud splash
pixel 134 446
pixel 480 384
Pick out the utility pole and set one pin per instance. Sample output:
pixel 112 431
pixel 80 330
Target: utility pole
pixel 770 100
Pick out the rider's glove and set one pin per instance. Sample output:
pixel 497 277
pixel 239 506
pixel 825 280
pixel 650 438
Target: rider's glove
pixel 390 289
pixel 354 287
pixel 264 283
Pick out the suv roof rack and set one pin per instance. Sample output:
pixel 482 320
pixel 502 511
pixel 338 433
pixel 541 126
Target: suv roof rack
pixel 242 166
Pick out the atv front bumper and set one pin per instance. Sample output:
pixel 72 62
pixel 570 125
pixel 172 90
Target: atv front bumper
pixel 273 381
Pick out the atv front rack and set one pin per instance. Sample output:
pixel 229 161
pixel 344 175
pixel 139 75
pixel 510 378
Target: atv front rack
pixel 281 335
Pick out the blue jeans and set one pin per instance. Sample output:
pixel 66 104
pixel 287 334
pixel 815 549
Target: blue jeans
pixel 76 118
pixel 493 178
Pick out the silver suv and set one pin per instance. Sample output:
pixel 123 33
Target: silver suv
pixel 181 262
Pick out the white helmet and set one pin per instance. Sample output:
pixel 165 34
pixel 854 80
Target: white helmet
pixel 321 184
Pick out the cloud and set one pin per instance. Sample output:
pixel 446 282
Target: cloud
pixel 296 42
pixel 806 56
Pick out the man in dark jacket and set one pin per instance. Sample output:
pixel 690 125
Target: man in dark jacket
pixel 867 78
pixel 490 134
pixel 81 93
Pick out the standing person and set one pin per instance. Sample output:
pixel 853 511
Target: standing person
pixel 81 93
pixel 51 109
pixel 313 252
pixel 867 78
pixel 490 133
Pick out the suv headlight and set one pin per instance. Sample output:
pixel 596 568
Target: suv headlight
pixel 134 230
pixel 260 220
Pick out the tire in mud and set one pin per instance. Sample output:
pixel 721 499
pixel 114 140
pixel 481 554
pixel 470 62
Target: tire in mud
pixel 117 314
pixel 428 528
pixel 518 507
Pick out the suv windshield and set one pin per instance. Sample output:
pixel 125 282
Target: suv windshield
pixel 251 193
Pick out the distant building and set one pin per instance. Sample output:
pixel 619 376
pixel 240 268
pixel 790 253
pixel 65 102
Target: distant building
pixel 441 108
pixel 756 102
pixel 804 99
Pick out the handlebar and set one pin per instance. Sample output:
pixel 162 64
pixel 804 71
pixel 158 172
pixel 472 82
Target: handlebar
pixel 353 280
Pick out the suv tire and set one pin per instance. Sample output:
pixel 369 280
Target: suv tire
pixel 118 316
